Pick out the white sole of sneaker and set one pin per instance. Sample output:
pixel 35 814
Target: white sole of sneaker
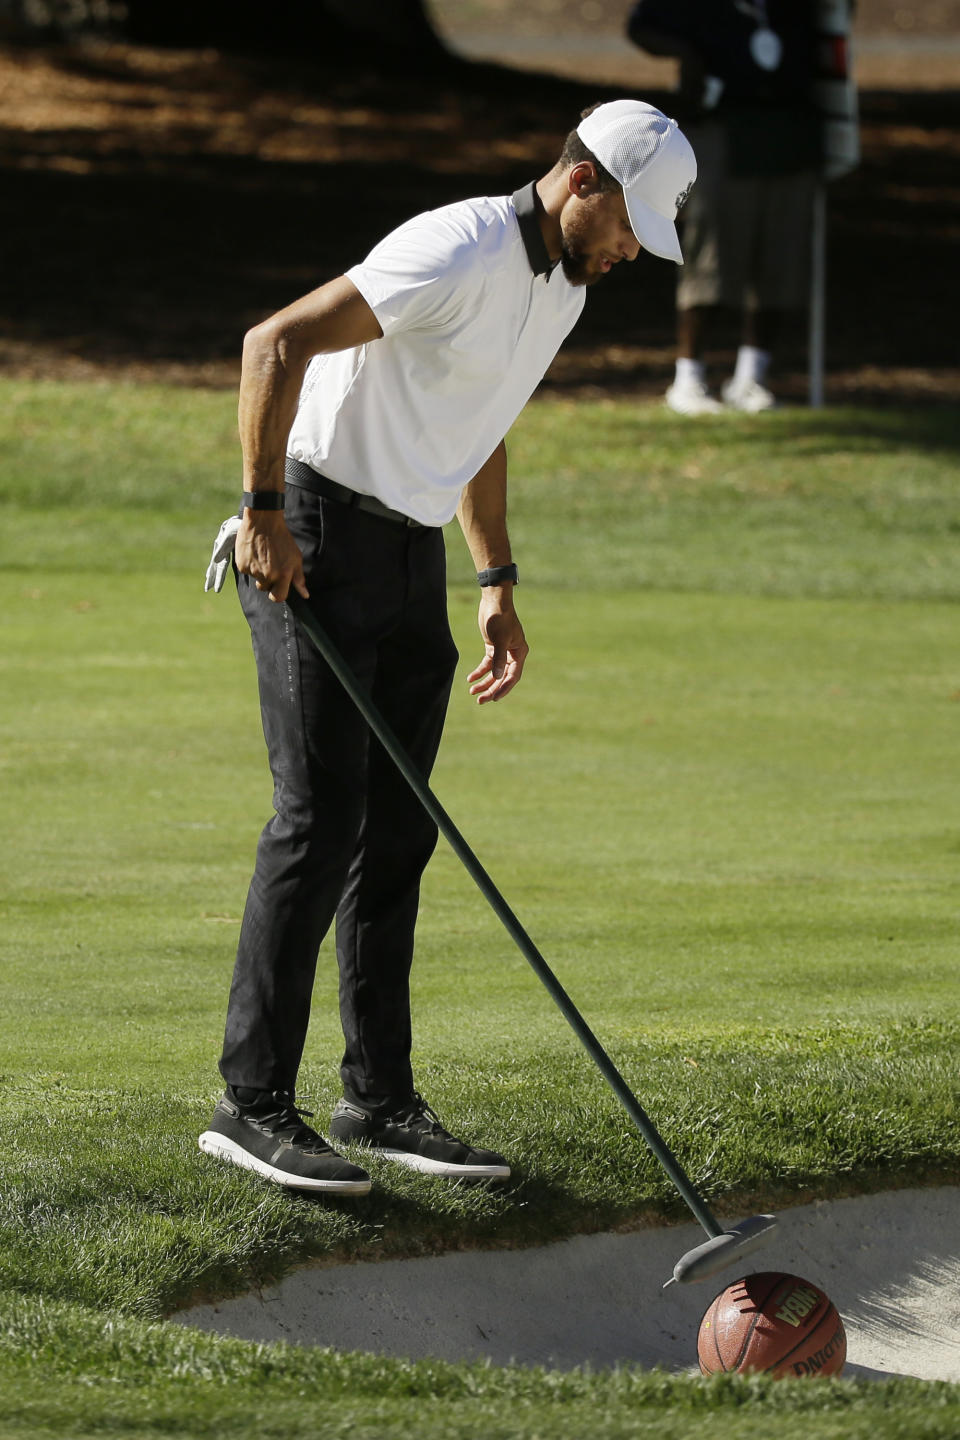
pixel 223 1148
pixel 441 1167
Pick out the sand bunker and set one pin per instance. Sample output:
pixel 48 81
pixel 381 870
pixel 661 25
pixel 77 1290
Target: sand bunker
pixel 891 1264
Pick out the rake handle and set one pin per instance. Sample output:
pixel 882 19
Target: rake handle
pixel 319 638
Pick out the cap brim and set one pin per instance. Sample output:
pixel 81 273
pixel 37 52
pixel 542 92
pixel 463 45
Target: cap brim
pixel 654 231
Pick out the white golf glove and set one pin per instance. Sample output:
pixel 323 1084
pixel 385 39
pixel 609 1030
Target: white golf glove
pixel 222 552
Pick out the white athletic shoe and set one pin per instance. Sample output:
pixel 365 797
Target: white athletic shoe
pixel 691 397
pixel 747 395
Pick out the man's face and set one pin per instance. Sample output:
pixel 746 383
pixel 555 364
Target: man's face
pixel 595 235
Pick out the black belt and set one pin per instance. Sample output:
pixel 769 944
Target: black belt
pixel 309 479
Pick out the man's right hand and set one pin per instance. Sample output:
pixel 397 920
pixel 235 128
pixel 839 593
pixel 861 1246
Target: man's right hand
pixel 268 553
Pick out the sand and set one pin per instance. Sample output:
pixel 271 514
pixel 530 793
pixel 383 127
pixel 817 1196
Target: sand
pixel 890 1262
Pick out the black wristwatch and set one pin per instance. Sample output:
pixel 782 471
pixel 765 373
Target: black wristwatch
pixel 499 575
pixel 263 500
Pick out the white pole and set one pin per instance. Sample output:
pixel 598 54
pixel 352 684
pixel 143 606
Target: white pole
pixel 818 278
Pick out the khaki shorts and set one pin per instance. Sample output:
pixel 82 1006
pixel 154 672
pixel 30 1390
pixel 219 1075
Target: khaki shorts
pixel 746 239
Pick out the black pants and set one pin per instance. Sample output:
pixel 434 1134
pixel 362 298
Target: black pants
pixel 349 838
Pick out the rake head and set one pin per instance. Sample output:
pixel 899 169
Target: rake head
pixel 723 1250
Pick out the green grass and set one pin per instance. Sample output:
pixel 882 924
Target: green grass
pixel 723 801
pixel 841 503
pixel 608 495
pixel 133 1380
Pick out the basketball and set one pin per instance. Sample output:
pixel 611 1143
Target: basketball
pixel 772 1324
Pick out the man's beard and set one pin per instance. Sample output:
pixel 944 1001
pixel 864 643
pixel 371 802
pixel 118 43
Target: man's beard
pixel 576 266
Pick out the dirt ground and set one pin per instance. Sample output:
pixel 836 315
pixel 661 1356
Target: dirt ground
pixel 158 202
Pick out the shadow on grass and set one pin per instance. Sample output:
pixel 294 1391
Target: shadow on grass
pixel 936 430
pixel 129 1216
pixel 408 1218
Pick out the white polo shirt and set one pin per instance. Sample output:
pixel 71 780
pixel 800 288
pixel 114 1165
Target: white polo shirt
pixel 472 314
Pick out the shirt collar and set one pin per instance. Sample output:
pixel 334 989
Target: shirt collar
pixel 528 206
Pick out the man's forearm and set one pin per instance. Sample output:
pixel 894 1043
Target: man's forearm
pixel 482 513
pixel 269 391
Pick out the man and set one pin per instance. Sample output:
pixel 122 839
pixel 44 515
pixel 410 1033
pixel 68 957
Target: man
pixel 747 76
pixel 372 411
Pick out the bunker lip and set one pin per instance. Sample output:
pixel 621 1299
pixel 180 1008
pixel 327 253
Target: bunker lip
pixel 889 1262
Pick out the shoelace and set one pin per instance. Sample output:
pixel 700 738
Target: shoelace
pixel 287 1123
pixel 418 1113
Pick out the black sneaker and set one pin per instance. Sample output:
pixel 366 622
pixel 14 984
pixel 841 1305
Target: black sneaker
pixel 413 1136
pixel 270 1137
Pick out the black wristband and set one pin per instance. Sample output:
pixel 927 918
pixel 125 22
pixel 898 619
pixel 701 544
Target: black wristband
pixel 499 575
pixel 263 500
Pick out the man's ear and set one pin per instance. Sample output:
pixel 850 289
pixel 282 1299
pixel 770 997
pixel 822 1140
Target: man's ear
pixel 582 180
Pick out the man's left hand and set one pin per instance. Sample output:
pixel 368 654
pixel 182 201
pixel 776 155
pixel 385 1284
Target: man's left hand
pixel 506 648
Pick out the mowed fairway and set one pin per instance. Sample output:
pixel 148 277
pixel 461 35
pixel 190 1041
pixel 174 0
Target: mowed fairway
pixel 724 802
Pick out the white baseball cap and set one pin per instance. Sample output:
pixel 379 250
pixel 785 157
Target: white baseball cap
pixel 654 162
